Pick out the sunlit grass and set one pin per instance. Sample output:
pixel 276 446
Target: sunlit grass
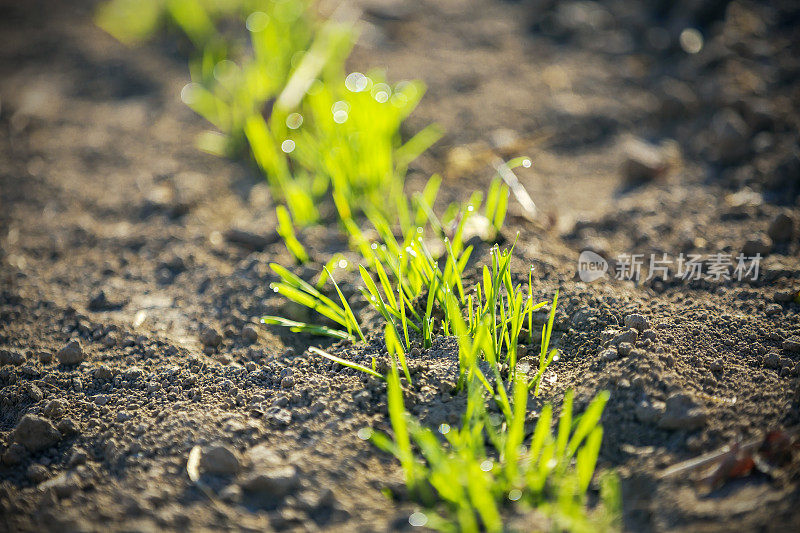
pixel 276 92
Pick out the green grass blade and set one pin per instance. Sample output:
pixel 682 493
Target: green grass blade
pixel 588 421
pixel 302 327
pixel 586 460
pixel 564 424
pixel 344 362
pixel 348 311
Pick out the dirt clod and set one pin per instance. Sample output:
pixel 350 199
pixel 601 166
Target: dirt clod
pixel 638 322
pixel 792 344
pixel 219 459
pixel 682 412
pixel 757 244
pixel 35 433
pixel 781 229
pixel 276 481
pixel 71 354
pixel 210 337
pixel 642 162
pixel 249 333
pixel 11 357
pixel 14 454
pixel 624 349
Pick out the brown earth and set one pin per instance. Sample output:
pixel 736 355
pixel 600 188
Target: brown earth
pixel 117 233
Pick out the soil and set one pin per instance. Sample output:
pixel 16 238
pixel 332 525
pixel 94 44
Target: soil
pixel 134 267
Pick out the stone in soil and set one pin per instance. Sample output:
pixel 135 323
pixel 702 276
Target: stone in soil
pixel 35 433
pixel 210 337
pixel 11 356
pixel 220 460
pixel 781 229
pixel 249 333
pixel 642 162
pixel 757 244
pixel 792 344
pixel 682 412
pixel 637 322
pixel 71 354
pixel 101 302
pixel 276 481
pixel 628 336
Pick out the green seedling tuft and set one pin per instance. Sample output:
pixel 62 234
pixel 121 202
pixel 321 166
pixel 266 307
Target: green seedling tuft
pixel 300 292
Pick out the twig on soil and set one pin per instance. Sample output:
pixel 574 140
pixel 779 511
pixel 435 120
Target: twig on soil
pixel 726 456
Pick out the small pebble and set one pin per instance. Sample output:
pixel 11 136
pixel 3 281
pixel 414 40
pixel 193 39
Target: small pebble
pixel 636 321
pixel 71 354
pixel 210 337
pixel 781 229
pixel 249 333
pixel 35 433
pixel 792 344
pixel 609 354
pixel 757 244
pixel 10 356
pixel 219 459
pixel 682 412
pixel 278 481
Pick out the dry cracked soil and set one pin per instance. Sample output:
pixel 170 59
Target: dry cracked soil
pixel 133 267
